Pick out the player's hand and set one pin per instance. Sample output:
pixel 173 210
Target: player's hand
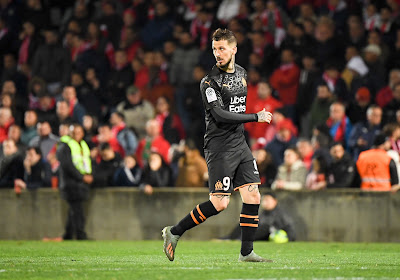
pixel 264 116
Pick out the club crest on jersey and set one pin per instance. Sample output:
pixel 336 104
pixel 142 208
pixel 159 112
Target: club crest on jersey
pixel 211 95
pixel 218 186
pixel 244 82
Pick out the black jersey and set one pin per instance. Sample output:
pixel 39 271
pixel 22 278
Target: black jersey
pixel 227 91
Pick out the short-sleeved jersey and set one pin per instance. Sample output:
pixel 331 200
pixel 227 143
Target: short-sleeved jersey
pixel 227 91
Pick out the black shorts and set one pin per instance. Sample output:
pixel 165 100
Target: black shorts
pixel 231 170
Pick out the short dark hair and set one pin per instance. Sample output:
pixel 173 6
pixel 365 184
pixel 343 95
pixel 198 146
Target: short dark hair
pixel 120 115
pixel 224 34
pixel 36 149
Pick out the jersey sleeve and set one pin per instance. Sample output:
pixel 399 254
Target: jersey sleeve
pixel 210 94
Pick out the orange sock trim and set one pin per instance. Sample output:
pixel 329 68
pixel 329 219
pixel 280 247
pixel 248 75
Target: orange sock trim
pixel 194 219
pixel 248 225
pixel 202 217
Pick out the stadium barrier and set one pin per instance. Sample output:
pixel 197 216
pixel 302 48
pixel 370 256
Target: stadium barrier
pixel 128 214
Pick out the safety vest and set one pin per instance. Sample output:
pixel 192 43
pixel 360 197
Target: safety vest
pixel 80 156
pixel 373 167
pixel 65 138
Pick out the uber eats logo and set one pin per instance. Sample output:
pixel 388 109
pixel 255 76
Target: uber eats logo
pixel 237 104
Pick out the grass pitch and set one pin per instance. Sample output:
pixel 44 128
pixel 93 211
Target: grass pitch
pixel 196 260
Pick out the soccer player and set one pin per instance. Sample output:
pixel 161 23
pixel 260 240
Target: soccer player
pixel 230 163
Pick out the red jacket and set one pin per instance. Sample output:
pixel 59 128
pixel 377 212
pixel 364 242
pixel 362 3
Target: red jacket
pixel 158 144
pixel 257 130
pixel 285 80
pixel 4 131
pixel 384 96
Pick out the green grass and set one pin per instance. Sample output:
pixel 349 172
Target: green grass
pixel 195 260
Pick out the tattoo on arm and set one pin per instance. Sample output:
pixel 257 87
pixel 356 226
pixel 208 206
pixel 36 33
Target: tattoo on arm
pixel 252 188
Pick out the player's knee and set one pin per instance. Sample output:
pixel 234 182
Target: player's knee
pixel 254 197
pixel 220 204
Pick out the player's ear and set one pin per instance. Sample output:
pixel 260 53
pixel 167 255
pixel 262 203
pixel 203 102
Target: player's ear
pixel 234 49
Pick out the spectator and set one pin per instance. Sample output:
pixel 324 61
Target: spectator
pixel 391 108
pixel 37 170
pixel 77 111
pixel 131 43
pixel 392 131
pixel 29 42
pixel 378 171
pixel 265 166
pixel 283 140
pixel 63 113
pixel 306 151
pixel 52 63
pixel 357 109
pixel 202 27
pixel 196 113
pixel 319 111
pixel 170 123
pixel 192 168
pixel 90 125
pixel 137 111
pixel 316 179
pixel 45 139
pixel 337 10
pixel 14 100
pixel 152 142
pixel 373 60
pixel 363 133
pixel 285 80
pixel 292 173
pixel 359 74
pixel 328 47
pixel 6 120
pixel 120 78
pixel 36 87
pixel 341 172
pixel 158 29
pixel 110 22
pixel 103 172
pixel 263 100
pixel 14 133
pixel 126 138
pixel 75 178
pixel 30 122
pixel 356 32
pixel 10 72
pixel 88 98
pixel 106 135
pixel 129 174
pixel 184 59
pixel 46 109
pixel 156 174
pixel 272 129
pixel 11 165
pixel 273 219
pixel 338 123
pixel 306 94
pixel 385 94
pixel 331 77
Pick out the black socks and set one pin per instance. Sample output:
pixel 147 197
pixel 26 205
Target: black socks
pixel 248 224
pixel 198 215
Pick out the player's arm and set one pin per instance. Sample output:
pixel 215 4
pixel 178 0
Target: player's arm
pixel 213 102
pixel 223 116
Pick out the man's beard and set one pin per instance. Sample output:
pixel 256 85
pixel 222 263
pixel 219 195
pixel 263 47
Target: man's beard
pixel 225 66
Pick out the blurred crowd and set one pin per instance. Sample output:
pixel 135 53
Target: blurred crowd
pixel 129 71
